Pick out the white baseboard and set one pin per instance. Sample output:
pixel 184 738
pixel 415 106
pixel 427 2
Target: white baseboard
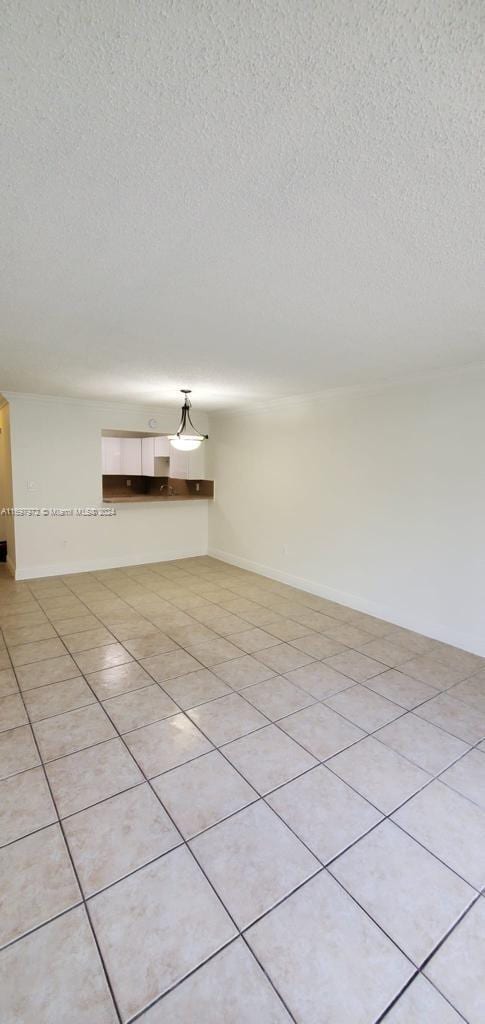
pixel 38 571
pixel 474 643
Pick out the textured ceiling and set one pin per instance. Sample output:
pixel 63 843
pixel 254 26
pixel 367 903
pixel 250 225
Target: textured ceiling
pixel 249 198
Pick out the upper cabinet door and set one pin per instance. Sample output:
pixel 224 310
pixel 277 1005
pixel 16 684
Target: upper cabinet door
pixel 162 446
pixel 179 464
pixel 131 455
pixel 111 455
pixel 147 456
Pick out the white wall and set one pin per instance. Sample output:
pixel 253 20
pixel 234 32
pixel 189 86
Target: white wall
pixel 56 445
pixel 6 496
pixel 376 500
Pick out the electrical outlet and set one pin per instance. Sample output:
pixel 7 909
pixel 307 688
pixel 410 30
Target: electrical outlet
pixel 128 483
pixel 31 485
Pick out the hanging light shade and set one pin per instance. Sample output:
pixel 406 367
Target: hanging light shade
pixel 187 438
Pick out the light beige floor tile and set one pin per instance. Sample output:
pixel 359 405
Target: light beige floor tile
pixel 369 623
pixel 319 680
pixel 253 861
pixel 170 619
pixel 72 731
pixel 472 692
pixel 12 712
pixel 379 774
pixel 195 688
pixel 268 758
pixel 457 968
pixel 467 777
pixel 56 698
pixel 422 1004
pixel 458 658
pixel 455 717
pixel 364 708
pixel 112 681
pixel 227 624
pixel 164 745
pixel 17 751
pixel 101 658
pixel 37 880
pixel 318 646
pixel 252 640
pixel 131 629
pixel 355 665
pixel 451 827
pixel 260 616
pixel 26 654
pixel 313 620
pixel 139 707
pixel 88 639
pixel 157 925
pixel 16 619
pixel 401 689
pixel 90 775
pixel 202 792
pixel 117 836
pixel 347 634
pixel 321 950
pixel 415 642
pixel 169 666
pixel 15 635
pixel 241 672
pixel 187 636
pixel 277 697
pixel 25 805
pixel 230 988
pixel 53 670
pixel 5 662
pixel 226 718
pixel 283 658
pixel 326 814
pixel 424 744
pixel 321 731
pixel 79 624
pixel 288 630
pixel 206 614
pixel 419 910
pixel 152 643
pixel 55 975
pixel 425 668
pixel 214 652
pixel 386 652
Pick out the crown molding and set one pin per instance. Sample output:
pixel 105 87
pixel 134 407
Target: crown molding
pixel 328 394
pixel 151 410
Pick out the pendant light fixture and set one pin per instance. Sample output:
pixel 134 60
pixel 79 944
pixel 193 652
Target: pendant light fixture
pixel 183 439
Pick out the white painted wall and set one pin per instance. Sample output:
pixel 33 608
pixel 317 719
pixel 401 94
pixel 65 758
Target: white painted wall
pixel 56 445
pixel 374 499
pixel 6 496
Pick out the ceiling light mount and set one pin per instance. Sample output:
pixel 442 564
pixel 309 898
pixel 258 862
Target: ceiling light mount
pixel 183 439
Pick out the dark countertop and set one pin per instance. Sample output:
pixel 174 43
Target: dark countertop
pixel 132 499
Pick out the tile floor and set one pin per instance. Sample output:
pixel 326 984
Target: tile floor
pixel 223 801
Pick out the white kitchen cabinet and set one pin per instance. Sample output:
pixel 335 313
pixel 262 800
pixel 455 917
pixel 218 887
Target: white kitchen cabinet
pixel 148 456
pixel 154 456
pixel 111 455
pixel 161 446
pixel 131 456
pixel 179 464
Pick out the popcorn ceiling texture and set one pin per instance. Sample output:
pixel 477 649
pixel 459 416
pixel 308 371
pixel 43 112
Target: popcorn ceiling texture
pixel 251 198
